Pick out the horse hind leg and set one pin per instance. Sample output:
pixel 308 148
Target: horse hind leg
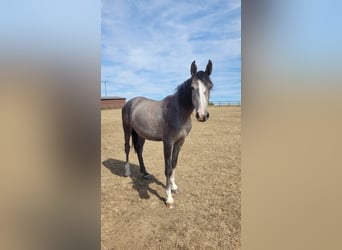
pixel 138 143
pixel 127 149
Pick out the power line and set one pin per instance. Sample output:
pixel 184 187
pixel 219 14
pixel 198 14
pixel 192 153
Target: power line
pixel 105 82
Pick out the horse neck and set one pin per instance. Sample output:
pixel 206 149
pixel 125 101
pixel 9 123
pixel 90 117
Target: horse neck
pixel 184 98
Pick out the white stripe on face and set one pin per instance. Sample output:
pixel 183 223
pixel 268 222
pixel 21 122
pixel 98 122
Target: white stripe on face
pixel 203 103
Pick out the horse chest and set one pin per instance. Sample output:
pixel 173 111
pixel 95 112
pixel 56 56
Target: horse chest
pixel 183 131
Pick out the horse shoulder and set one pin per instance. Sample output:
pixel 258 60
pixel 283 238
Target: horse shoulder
pixel 188 126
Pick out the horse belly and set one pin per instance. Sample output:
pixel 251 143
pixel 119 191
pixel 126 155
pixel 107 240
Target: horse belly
pixel 148 127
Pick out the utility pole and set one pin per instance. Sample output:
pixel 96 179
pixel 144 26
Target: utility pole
pixel 105 82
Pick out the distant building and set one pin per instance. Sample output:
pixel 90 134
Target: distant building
pixel 111 102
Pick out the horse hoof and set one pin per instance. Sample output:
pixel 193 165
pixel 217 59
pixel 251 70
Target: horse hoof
pixel 170 205
pixel 175 191
pixel 147 177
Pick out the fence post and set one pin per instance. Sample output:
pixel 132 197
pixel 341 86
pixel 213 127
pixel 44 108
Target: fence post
pixel 226 103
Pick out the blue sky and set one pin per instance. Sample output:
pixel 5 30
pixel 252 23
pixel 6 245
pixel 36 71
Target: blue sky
pixel 147 46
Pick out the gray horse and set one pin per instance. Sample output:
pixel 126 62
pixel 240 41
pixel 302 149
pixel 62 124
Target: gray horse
pixel 168 120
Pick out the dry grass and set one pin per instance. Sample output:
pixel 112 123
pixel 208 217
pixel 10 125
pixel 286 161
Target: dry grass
pixel 207 213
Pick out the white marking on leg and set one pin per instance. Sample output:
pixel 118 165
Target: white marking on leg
pixel 172 180
pixel 169 199
pixel 128 170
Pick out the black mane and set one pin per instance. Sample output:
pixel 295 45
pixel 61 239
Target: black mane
pixel 185 94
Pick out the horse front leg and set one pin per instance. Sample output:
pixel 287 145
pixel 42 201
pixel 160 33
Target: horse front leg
pixel 168 149
pixel 176 149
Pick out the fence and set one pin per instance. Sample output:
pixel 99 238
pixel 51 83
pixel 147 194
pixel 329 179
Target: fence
pixel 226 103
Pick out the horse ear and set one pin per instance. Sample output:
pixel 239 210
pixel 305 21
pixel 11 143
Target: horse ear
pixel 193 69
pixel 209 68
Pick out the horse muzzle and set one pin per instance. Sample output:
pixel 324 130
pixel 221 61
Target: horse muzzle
pixel 202 118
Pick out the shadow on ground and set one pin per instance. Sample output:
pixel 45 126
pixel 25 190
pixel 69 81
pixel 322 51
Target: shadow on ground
pixel 142 186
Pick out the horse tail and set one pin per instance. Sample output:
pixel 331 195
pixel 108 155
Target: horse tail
pixel 135 140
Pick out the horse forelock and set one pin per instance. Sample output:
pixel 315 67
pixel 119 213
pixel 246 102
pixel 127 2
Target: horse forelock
pixel 201 75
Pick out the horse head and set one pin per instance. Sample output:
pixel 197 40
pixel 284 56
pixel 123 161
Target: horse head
pixel 201 86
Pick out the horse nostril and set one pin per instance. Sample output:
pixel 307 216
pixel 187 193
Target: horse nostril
pixel 197 115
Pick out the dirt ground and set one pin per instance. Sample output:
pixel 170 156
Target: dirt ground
pixel 207 211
